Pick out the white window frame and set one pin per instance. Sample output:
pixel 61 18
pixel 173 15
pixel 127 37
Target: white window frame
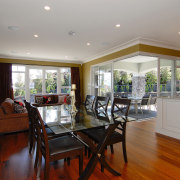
pixel 43 68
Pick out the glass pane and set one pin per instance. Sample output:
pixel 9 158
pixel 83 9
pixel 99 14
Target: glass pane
pixel 105 80
pixel 51 81
pixel 178 77
pixel 14 68
pixel 65 79
pixel 96 80
pixel 35 84
pixel 165 77
pixel 63 70
pixel 151 82
pixel 18 84
pixel 66 90
pixel 21 68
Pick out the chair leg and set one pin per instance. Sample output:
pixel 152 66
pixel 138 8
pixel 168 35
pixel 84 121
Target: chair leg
pixel 46 173
pixel 112 149
pixel 81 163
pixel 30 144
pixel 37 156
pixel 85 151
pixel 68 161
pixel 89 153
pixel 124 151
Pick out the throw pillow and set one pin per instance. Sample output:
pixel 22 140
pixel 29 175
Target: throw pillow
pixel 68 99
pixel 19 103
pixel 19 108
pixel 46 100
pixel 39 100
pixel 61 99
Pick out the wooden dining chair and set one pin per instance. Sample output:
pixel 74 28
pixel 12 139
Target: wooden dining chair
pixel 101 104
pixel 89 102
pixel 57 148
pixel 120 108
pixel 32 132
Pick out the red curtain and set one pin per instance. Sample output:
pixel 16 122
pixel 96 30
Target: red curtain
pixel 6 90
pixel 75 79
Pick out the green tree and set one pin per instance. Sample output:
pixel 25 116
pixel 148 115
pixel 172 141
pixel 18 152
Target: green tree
pixel 165 75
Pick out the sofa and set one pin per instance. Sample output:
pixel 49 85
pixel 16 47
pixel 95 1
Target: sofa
pixel 10 119
pixel 50 99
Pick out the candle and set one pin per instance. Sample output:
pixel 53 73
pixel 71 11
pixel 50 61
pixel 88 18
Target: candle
pixel 73 86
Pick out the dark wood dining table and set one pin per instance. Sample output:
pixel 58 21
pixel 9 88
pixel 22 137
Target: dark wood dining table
pixel 60 121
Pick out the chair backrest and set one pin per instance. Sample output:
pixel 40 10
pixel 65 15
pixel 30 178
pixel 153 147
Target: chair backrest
pixel 28 106
pixel 121 106
pixel 42 138
pixel 153 100
pixel 89 102
pixel 101 103
pixel 146 100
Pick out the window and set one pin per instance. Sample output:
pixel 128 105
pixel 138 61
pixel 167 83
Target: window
pixel 31 80
pixel 18 80
pixel 65 74
pixel 51 81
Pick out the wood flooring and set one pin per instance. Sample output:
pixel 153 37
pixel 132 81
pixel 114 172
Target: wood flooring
pixel 150 156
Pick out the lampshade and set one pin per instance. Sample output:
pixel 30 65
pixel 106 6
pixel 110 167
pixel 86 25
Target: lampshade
pixel 73 87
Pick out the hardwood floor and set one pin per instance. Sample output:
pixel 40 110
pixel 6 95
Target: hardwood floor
pixel 150 156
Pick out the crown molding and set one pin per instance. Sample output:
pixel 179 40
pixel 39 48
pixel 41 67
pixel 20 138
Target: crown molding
pixel 139 40
pixel 40 59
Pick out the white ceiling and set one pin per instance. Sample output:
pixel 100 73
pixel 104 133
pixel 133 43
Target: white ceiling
pixel 140 59
pixel 92 21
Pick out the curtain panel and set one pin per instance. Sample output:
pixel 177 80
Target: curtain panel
pixel 75 79
pixel 6 90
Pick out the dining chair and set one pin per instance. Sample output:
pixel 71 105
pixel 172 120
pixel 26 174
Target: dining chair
pixel 89 102
pixel 32 132
pixel 101 104
pixel 153 102
pixel 57 148
pixel 145 102
pixel 120 108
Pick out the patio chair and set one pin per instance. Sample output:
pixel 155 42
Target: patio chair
pixel 145 102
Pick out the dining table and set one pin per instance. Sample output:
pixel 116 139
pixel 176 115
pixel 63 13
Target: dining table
pixel 60 120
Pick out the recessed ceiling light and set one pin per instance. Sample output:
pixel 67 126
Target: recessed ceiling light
pixel 35 35
pixel 179 32
pixel 72 33
pixel 88 44
pixel 118 25
pixel 47 8
pixel 28 53
pixel 13 28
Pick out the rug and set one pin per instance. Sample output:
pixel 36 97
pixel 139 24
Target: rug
pixel 145 116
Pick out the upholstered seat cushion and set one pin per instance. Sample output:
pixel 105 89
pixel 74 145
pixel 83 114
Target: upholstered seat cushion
pixel 63 144
pixel 98 134
pixel 49 131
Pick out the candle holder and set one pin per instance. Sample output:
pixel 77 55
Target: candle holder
pixel 73 100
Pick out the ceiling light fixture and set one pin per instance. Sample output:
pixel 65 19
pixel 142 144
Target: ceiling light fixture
pixel 28 53
pixel 36 36
pixel 47 8
pixel 179 32
pixel 88 44
pixel 72 33
pixel 118 25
